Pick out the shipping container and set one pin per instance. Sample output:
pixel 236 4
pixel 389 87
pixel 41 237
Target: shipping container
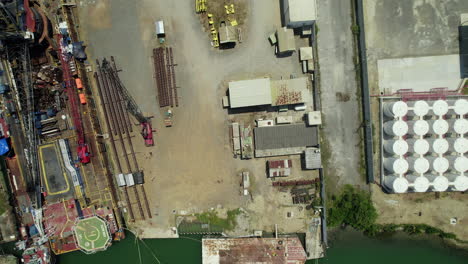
pixel 120 179
pixel 284 119
pixel 79 84
pixel 235 130
pixel 264 123
pixel 139 177
pixel 129 179
pixel 82 98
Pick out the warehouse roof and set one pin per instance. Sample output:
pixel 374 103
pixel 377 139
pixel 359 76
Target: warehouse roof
pixel 253 250
pixel 288 91
pixel 301 10
pixel 306 53
pixel 463 31
pixel 287 136
pixel 286 40
pixel 313 159
pixel 227 34
pixel 250 93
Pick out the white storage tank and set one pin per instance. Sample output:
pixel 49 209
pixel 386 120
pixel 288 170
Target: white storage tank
pixel 440 184
pixel 396 184
pixel 460 126
pixel 420 108
pixel 440 107
pixel 396 128
pixel 460 107
pixel 438 127
pixel 395 109
pixel 396 147
pixel 439 145
pixel 418 165
pixel 460 164
pixel 418 146
pixel 460 183
pixel 458 145
pixel 418 127
pixel 397 166
pixel 420 183
pixel 439 164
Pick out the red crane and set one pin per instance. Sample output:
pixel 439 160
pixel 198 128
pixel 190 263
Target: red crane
pixel 70 86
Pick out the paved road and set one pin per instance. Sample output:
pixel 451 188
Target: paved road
pixel 338 87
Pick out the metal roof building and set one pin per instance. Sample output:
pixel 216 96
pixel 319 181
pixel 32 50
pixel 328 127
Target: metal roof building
pixel 463 34
pixel 289 91
pixel 253 250
pixel 250 93
pixel 227 34
pixel 284 140
pixel 286 42
pixel 298 13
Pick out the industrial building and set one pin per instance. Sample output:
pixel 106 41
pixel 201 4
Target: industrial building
pixel 423 143
pixel 253 250
pixel 284 139
pixel 263 91
pixel 227 33
pixel 299 13
pixel 286 42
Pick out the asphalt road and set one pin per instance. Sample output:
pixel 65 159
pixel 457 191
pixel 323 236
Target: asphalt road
pixel 338 86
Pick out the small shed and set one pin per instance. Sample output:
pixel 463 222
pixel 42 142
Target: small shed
pixel 314 118
pixel 286 42
pixel 227 34
pixel 313 159
pixel 305 53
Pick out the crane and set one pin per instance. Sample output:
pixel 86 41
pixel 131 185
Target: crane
pixel 70 86
pixel 131 105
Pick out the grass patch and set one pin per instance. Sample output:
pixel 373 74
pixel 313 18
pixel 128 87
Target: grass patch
pixel 212 218
pixel 465 88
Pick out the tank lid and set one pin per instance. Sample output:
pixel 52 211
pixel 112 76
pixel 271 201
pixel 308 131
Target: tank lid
pixel 440 126
pixel 461 145
pixel 421 184
pixel 400 147
pixel 440 107
pixel 461 107
pixel 460 126
pixel 461 183
pixel 400 185
pixel 440 146
pixel 421 146
pixel 440 165
pixel 421 165
pixel 400 109
pixel 420 108
pixel 421 127
pixel 440 183
pixel 400 166
pixel 461 164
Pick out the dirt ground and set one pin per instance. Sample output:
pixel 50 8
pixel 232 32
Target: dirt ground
pixel 191 168
pixel 397 29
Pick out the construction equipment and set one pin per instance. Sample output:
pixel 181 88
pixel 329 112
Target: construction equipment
pixel 200 6
pixel 131 106
pixel 70 86
pixel 168 119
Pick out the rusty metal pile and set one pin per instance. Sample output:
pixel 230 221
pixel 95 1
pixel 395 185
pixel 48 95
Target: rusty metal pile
pixel 165 77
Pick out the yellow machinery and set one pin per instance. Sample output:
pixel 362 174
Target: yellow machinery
pixel 200 6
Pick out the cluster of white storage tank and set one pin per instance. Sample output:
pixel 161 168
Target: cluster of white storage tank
pixel 425 145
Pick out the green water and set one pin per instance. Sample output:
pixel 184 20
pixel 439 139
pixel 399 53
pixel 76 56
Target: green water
pixel 346 247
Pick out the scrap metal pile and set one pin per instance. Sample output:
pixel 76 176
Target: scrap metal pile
pixel 165 77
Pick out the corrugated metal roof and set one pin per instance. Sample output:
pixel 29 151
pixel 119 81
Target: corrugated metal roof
pixel 227 34
pixel 250 93
pixel 288 91
pixel 253 250
pixel 463 32
pixel 287 136
pixel 313 159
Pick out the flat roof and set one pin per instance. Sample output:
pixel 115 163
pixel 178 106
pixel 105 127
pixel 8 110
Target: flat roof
pixel 419 73
pixel 286 40
pixel 250 93
pixel 285 136
pixel 55 179
pixel 253 250
pixel 305 53
pixel 288 91
pixel 302 10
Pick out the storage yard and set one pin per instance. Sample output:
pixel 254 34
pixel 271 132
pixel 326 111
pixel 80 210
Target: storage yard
pixel 212 137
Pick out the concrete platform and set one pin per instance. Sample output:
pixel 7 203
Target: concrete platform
pixel 419 73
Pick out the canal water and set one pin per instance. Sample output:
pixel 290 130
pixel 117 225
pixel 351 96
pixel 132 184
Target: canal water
pixel 346 247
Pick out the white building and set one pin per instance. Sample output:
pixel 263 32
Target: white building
pixel 299 13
